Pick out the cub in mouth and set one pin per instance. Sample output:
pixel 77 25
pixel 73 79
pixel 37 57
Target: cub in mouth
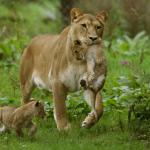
pixel 93 80
pixel 21 117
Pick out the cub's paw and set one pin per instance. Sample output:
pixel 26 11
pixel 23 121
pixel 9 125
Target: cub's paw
pixel 89 121
pixel 64 128
pixel 83 83
pixel 91 77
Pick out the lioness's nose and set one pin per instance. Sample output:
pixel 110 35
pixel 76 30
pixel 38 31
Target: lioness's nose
pixel 93 38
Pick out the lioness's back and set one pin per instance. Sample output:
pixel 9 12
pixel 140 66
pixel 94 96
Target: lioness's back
pixel 42 42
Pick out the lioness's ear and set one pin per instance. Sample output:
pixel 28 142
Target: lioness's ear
pixel 75 13
pixel 37 104
pixel 103 16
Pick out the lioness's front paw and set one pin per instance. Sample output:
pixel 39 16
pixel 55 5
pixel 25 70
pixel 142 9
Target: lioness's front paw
pixel 64 128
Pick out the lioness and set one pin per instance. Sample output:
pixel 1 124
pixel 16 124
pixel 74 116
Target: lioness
pixel 48 63
pixel 21 117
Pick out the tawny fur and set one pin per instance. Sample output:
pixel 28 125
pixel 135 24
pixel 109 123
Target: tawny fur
pixel 49 63
pixel 21 117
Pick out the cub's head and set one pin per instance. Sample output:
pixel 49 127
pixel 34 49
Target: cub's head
pixel 39 109
pixel 79 50
pixel 87 28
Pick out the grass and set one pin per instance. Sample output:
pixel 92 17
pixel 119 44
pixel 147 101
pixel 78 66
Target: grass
pixel 98 137
pixel 106 135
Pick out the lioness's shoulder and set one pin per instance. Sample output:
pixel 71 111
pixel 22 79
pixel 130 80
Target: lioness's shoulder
pixel 43 38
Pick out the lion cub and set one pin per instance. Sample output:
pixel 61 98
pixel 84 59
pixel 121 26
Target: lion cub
pixel 94 78
pixel 21 117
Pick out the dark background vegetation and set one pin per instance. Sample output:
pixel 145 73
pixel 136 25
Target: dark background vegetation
pixel 126 93
pixel 126 16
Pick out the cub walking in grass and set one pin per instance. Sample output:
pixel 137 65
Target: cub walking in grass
pixel 21 117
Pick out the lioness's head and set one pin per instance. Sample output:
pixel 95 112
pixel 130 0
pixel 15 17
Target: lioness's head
pixel 87 28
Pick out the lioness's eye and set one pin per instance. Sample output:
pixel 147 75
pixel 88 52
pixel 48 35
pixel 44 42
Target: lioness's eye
pixel 98 27
pixel 83 25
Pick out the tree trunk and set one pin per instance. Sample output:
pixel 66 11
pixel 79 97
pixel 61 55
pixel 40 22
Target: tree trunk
pixel 65 8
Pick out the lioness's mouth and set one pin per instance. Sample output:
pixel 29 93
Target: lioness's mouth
pixel 93 43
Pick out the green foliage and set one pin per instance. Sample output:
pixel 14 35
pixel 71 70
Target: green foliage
pixel 6 101
pixel 131 47
pixel 128 90
pixel 132 92
pixel 10 50
pixel 139 110
pixel 30 18
pixel 76 106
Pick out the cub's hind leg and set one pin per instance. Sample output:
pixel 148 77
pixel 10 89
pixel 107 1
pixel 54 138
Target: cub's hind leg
pixel 18 131
pixel 32 129
pixel 90 120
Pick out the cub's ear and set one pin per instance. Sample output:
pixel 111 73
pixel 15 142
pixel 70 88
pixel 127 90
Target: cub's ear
pixel 77 42
pixel 75 13
pixel 103 16
pixel 37 104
